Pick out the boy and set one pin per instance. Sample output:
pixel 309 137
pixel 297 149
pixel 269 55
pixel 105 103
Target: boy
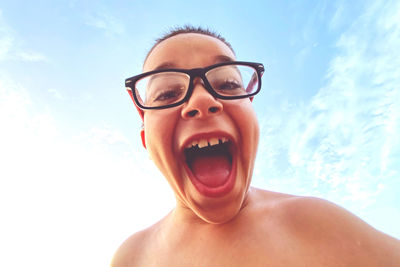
pixel 202 133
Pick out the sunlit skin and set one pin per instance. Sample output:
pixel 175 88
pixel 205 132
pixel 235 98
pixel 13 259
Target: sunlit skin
pixel 167 130
pixel 247 226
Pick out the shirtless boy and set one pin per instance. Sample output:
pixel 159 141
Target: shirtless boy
pixel 201 131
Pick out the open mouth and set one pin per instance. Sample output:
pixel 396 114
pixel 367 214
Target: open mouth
pixel 210 164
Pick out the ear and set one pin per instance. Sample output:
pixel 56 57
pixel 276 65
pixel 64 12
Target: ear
pixel 142 136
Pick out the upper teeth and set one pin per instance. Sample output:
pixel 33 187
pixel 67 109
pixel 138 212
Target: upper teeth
pixel 207 142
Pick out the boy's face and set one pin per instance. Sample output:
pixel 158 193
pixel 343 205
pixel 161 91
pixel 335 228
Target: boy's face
pixel 213 184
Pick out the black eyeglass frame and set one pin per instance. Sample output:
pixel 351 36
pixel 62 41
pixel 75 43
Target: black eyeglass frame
pixel 193 73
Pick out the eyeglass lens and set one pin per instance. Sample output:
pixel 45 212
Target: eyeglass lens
pixel 169 87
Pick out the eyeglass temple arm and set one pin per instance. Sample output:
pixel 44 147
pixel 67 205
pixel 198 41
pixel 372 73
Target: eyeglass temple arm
pixel 252 82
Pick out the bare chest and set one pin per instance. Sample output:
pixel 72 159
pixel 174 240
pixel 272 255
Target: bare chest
pixel 209 254
pixel 249 248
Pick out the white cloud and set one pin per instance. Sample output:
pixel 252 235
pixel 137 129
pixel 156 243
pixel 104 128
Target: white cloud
pixel 105 22
pixel 10 46
pixel 31 56
pixel 75 193
pixel 55 93
pixel 345 140
pixel 301 56
pixel 306 40
pixel 6 39
pixel 107 136
pixel 338 16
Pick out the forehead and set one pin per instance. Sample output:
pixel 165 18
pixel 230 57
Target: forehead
pixel 188 50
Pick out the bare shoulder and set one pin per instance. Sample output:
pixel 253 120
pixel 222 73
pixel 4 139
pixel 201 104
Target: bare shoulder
pixel 318 223
pixel 130 252
pixel 325 232
pixel 134 250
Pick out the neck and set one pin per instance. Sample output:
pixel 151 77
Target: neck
pixel 184 215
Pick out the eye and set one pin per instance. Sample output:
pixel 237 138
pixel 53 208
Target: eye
pixel 229 85
pixel 168 95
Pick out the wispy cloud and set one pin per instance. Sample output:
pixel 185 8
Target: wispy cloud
pixel 6 38
pixel 106 135
pixel 10 46
pixel 77 182
pixel 106 22
pixel 306 39
pixel 337 19
pixel 55 93
pixel 345 140
pixel 31 56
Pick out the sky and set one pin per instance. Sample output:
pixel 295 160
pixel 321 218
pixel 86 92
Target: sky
pixel 75 180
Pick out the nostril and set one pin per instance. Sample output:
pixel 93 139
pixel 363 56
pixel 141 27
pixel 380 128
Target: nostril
pixel 213 109
pixel 192 113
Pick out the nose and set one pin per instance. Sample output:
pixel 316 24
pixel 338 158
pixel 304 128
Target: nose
pixel 201 104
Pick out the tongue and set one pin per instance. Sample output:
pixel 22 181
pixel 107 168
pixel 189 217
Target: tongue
pixel 211 170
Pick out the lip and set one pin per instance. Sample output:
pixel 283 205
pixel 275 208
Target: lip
pixel 203 189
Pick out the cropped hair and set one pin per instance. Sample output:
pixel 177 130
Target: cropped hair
pixel 189 29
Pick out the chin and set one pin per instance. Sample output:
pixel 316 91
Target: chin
pixel 217 210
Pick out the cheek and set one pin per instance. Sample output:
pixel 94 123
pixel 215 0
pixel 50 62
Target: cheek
pixel 246 122
pixel 251 134
pixel 159 126
pixel 245 117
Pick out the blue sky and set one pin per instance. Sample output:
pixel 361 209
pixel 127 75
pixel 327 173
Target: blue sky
pixel 73 174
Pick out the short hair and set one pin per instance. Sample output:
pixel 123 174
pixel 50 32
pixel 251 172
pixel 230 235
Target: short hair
pixel 189 29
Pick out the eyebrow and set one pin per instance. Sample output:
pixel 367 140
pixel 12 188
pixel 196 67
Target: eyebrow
pixel 222 59
pixel 217 59
pixel 165 65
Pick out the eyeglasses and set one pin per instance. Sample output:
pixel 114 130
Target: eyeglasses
pixel 167 88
